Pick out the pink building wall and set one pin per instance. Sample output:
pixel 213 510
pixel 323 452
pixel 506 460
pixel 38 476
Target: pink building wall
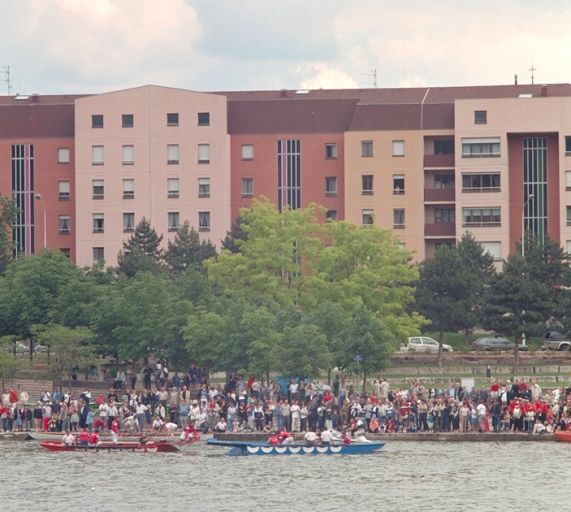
pixel 150 171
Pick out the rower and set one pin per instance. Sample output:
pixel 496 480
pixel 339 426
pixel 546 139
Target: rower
pixel 94 439
pixel 310 438
pixel 68 439
pixel 84 438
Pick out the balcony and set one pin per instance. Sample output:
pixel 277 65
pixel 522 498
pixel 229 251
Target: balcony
pixel 439 161
pixel 440 230
pixel 441 195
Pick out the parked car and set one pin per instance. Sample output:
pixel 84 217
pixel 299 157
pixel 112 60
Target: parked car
pixel 21 348
pixel 425 344
pixel 554 340
pixel 491 343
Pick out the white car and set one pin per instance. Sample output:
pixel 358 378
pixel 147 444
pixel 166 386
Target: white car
pixel 425 344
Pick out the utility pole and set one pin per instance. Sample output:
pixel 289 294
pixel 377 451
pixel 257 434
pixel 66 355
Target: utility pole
pixel 372 76
pixel 532 69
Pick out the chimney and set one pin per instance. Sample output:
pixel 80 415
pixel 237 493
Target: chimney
pixel 544 91
pixel 515 79
pixel 283 93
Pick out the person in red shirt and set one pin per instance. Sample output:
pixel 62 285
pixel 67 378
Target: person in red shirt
pixel 94 439
pixel 84 438
pixel 115 431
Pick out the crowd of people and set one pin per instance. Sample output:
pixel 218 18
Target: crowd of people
pixel 170 404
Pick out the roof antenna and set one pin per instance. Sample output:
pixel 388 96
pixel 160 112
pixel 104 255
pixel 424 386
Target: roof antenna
pixel 372 75
pixel 5 71
pixel 532 69
pixel 515 79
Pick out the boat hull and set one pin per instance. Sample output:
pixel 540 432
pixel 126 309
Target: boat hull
pixel 563 435
pixel 122 446
pixel 264 448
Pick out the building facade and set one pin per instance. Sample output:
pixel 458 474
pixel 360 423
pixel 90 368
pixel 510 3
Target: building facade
pixel 428 163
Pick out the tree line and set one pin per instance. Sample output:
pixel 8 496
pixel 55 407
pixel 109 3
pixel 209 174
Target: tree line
pixel 286 293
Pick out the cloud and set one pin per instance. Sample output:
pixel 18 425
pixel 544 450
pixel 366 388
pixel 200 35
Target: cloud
pixel 83 46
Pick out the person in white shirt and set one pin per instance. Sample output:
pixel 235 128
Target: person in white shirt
pixel 68 438
pixel 221 426
pixel 295 411
pixel 170 427
pixel 326 437
pixel 310 438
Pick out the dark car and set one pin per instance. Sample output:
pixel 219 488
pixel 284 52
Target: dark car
pixel 491 343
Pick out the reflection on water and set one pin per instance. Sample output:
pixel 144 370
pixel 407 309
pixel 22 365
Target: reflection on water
pixel 404 476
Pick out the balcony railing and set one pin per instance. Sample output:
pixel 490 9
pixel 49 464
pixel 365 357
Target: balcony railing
pixel 439 161
pixel 440 194
pixel 441 230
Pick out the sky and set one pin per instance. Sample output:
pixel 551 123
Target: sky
pixel 91 46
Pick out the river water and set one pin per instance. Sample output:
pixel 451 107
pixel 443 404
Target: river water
pixel 404 476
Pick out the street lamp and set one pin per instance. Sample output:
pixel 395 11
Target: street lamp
pixel 41 200
pixel 530 196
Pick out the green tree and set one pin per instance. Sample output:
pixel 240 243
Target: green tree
pixel 141 252
pixel 234 237
pixel 187 250
pixel 518 303
pixel 8 212
pixel 443 295
pixel 29 290
pixel 70 349
pixel 10 365
pixel 303 352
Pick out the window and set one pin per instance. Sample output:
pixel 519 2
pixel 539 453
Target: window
pixel 331 215
pixel 172 153
pixel 398 147
pixel 367 184
pixel 569 215
pixel 481 148
pixel 203 221
pixel 97 155
pixel 247 152
pixel 98 254
pixel 568 145
pixel 330 151
pixel 489 182
pixel 366 148
pixel 172 119
pixel 444 147
pixel 128 155
pixel 204 119
pixel 247 187
pixel 480 117
pixel 203 153
pixel 63 155
pixel 398 218
pixel 129 188
pixel 398 184
pixel 97 121
pixel 98 223
pixel 66 251
pixel 478 217
pixel 98 189
pixel 63 190
pixel 444 216
pixel 128 222
pixel 568 246
pixel 567 180
pixel 331 186
pixel 494 249
pixel 367 217
pixel 203 187
pixel 127 120
pixel 446 181
pixel 173 221
pixel 173 188
pixel 64 224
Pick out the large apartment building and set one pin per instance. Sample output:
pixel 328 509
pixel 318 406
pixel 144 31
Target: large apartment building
pixel 429 163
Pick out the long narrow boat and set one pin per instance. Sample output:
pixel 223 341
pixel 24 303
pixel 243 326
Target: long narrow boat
pixel 56 436
pixel 264 448
pixel 563 435
pixel 106 445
